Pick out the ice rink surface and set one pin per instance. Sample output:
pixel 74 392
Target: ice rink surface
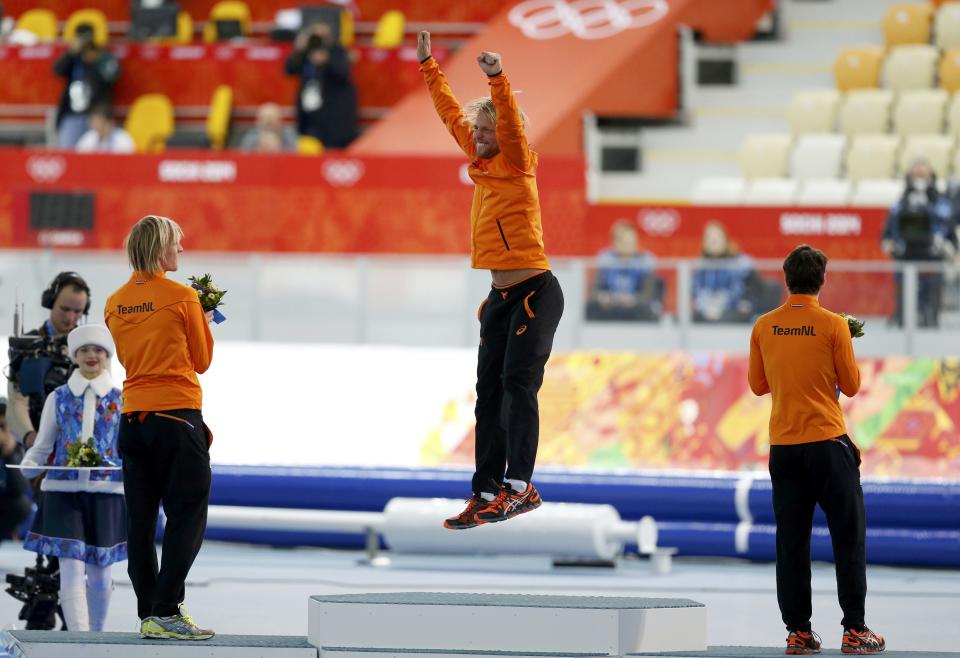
pixel 241 589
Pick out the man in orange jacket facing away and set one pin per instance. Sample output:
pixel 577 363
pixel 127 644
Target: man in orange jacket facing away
pixel 519 317
pixel 801 353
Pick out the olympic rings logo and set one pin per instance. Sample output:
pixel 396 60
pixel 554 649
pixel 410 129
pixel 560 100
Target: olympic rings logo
pixel 46 169
pixel 585 19
pixel 660 223
pixel 343 173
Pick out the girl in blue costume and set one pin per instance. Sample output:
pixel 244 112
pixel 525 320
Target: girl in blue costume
pixel 82 518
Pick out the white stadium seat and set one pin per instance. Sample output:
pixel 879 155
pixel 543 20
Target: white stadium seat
pixel 881 193
pixel 718 191
pixel 817 156
pixel 824 192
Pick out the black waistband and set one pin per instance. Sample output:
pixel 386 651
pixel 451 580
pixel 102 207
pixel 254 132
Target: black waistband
pixel 535 281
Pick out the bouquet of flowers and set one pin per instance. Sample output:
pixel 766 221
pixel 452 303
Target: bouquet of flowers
pixel 855 325
pixel 211 297
pixel 82 453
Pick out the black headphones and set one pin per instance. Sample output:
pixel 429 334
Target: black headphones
pixel 63 280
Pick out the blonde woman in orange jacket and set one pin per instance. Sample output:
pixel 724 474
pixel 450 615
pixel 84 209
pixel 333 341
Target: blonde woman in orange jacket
pixel 163 340
pixel 519 317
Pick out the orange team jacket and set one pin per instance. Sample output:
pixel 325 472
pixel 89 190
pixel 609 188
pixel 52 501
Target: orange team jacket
pixel 505 230
pixel 799 353
pixel 163 341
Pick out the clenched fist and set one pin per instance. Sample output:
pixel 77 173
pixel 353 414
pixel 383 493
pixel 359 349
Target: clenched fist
pixel 423 45
pixel 489 62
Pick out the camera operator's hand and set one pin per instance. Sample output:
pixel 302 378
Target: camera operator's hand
pixel 423 46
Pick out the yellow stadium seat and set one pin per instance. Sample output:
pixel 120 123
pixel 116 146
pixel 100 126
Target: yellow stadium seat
pixel 946 26
pixel 911 67
pixel 41 22
pixel 307 145
pixel 866 111
pixel 347 30
pixel 150 122
pixel 813 111
pixel 184 27
pixel 907 23
pixel 950 70
pixel 389 32
pixel 226 10
pixel 764 156
pixel 920 112
pixel 858 68
pixel 218 120
pixel 936 149
pixel 94 17
pixel 872 156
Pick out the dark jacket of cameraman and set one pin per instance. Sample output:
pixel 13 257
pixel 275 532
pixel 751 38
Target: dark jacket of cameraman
pixel 920 226
pixel 23 412
pixel 88 83
pixel 327 99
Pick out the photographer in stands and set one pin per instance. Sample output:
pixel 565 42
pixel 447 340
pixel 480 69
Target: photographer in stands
pixel 90 73
pixel 327 100
pixel 919 229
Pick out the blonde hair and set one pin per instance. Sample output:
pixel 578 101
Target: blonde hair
pixel 148 240
pixel 484 105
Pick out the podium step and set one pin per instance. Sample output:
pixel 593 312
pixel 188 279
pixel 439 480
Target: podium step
pixel 58 644
pixel 515 624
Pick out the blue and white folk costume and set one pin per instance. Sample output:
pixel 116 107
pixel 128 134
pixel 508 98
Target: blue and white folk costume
pixel 82 516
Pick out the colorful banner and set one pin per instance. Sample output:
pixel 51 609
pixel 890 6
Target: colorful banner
pixel 695 411
pixel 232 201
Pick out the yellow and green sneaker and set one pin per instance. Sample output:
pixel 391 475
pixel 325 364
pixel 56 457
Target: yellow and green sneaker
pixel 174 627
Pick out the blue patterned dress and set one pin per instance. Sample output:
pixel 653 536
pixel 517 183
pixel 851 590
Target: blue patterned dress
pixel 82 513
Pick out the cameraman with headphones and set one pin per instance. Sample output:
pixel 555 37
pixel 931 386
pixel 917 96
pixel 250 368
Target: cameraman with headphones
pixel 40 365
pixel 919 229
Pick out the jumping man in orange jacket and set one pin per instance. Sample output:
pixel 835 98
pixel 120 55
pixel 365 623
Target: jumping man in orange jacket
pixel 519 317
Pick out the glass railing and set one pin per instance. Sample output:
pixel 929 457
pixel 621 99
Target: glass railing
pixel 909 308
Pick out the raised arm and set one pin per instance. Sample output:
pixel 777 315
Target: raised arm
pixel 446 104
pixel 510 133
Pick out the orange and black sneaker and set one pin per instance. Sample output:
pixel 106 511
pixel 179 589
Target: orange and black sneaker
pixel 478 512
pixel 865 641
pixel 802 643
pixel 468 517
pixel 520 502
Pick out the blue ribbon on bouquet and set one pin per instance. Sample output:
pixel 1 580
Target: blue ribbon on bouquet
pixel 218 317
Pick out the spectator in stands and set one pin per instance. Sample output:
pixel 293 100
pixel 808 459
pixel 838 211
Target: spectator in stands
pixel 105 136
pixel 269 135
pixel 724 289
pixel 327 100
pixel 90 73
pixel 920 229
pixel 625 286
